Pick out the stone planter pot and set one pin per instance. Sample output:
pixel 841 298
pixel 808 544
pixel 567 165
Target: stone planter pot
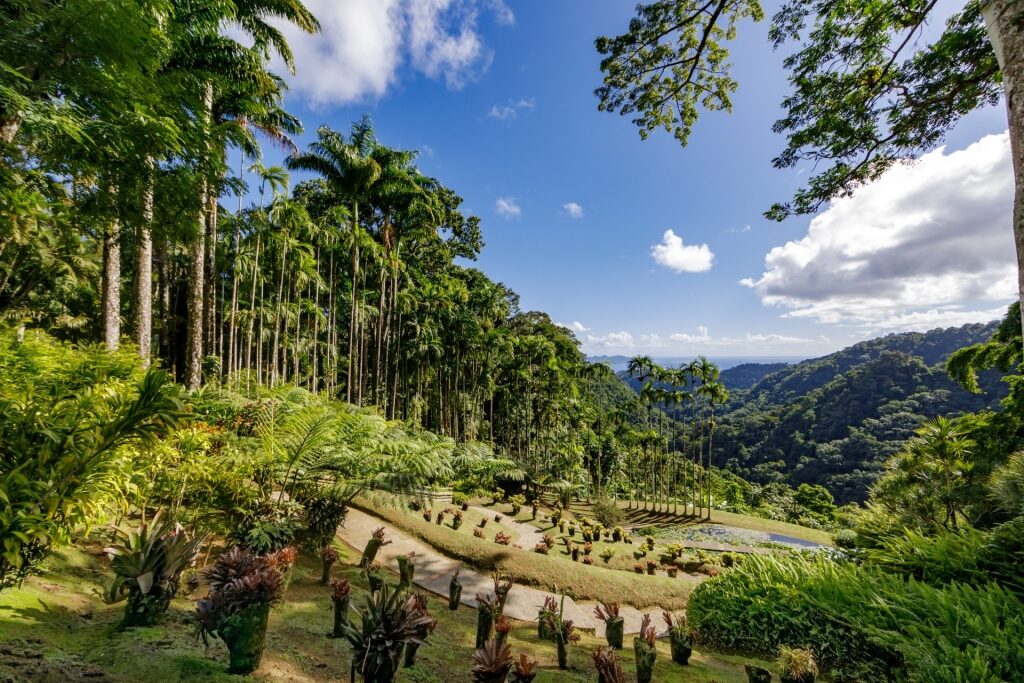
pixel 645 656
pixel 756 674
pixel 340 616
pixel 245 634
pixel 805 678
pixel 613 632
pixel 682 648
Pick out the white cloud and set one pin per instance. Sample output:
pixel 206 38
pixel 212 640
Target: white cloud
pixel 507 112
pixel 682 258
pixel 684 343
pixel 575 326
pixel 927 244
pixel 508 207
pixel 363 44
pixel 573 209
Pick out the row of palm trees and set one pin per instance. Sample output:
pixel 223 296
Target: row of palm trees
pixel 679 450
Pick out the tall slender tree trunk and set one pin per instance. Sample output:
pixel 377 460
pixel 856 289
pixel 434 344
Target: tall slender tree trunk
pixel 144 269
pixel 353 310
pixel 1005 22
pixel 210 272
pixel 111 286
pixel 278 322
pixel 197 277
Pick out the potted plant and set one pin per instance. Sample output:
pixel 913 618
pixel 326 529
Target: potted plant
pixel 607 554
pixel 478 532
pixel 374 577
pixel 534 511
pixel 650 543
pixel 486 614
pixel 575 552
pixel 517 503
pixel 644 651
pixel 757 674
pixel 652 567
pixel 457 520
pixel 609 665
pixel 549 540
pixel 492 662
pixel 390 620
pixel 524 670
pixel 564 633
pixel 502 586
pixel 328 556
pixel 608 612
pixel 424 630
pixel 341 594
pixel 680 638
pixel 541 548
pixel 483 522
pixel 617 534
pixel 373 545
pixel 284 561
pixel 440 518
pixel 797 665
pixel 502 627
pixel 587 547
pixel 428 515
pixel 501 538
pixel 638 567
pixel 406 571
pixel 548 608
pixel 572 530
pixel 147 565
pixel 588 560
pixel 672 570
pixel 454 591
pixel 243 586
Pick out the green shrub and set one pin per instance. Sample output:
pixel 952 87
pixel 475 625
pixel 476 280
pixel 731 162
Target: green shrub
pixel 608 513
pixel 845 538
pixel 863 623
pixel 459 498
pixel 648 531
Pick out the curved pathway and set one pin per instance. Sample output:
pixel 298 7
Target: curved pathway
pixel 434 572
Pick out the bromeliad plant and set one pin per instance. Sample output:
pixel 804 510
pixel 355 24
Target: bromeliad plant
pixel 492 662
pixel 147 565
pixel 524 670
pixel 372 546
pixel 608 612
pixel 680 638
pixel 564 632
pixel 243 586
pixel 486 614
pixel 341 596
pixel 424 630
pixel 609 665
pixel 644 650
pixel 328 556
pixel 549 608
pixel 389 621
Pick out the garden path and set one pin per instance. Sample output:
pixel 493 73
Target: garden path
pixel 434 572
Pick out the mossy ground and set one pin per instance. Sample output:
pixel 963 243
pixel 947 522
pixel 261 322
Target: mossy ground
pixel 60 615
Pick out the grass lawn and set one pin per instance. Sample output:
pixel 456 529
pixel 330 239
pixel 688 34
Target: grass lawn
pixel 552 572
pixel 61 616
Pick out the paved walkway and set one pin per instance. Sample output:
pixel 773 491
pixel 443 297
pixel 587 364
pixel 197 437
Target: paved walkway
pixel 434 572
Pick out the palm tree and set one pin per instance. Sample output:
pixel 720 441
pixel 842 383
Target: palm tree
pixel 351 170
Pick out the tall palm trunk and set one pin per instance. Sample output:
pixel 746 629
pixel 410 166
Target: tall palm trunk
pixel 111 286
pixel 210 272
pixel 353 309
pixel 275 354
pixel 144 269
pixel 197 279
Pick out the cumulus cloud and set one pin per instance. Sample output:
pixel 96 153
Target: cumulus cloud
pixel 509 111
pixel 508 207
pixel 364 43
pixel 682 258
pixel 573 210
pixel 575 326
pixel 927 244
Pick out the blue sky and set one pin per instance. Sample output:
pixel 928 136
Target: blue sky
pixel 499 100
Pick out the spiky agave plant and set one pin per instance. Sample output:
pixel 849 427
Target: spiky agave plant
pixel 614 624
pixel 492 662
pixel 390 620
pixel 243 586
pixel 147 566
pixel 609 665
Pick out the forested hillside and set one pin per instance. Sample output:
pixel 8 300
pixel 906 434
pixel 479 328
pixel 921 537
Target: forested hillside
pixel 835 420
